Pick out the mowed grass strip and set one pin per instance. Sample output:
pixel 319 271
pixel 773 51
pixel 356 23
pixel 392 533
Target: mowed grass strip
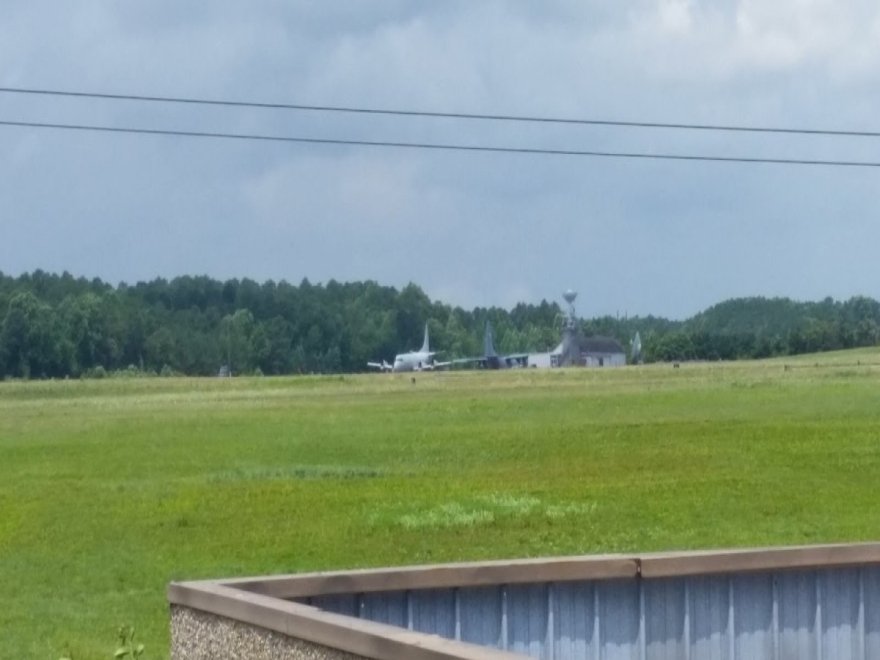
pixel 111 489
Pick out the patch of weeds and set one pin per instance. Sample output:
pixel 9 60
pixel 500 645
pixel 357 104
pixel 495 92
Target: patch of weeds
pixel 127 647
pixel 512 504
pixel 296 472
pixel 488 509
pixel 445 516
pixel 557 511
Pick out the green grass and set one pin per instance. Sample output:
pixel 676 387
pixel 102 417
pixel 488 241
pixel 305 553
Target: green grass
pixel 111 489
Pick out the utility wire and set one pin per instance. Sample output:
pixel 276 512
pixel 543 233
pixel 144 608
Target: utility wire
pixel 446 115
pixel 436 146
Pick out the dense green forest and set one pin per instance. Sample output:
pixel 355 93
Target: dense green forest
pixel 54 326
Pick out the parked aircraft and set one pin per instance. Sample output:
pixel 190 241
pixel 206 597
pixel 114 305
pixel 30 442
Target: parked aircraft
pixel 490 358
pixel 420 360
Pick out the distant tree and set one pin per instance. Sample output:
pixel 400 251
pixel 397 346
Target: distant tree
pixel 32 341
pixel 672 347
pixel 161 349
pixel 60 325
pixel 276 356
pixel 236 330
pixel 331 361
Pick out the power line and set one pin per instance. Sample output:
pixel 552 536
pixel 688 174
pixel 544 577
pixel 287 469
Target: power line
pixel 445 115
pixel 439 147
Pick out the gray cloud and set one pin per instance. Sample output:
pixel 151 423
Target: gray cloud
pixel 474 229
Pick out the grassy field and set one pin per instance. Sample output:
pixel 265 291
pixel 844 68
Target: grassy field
pixel 111 489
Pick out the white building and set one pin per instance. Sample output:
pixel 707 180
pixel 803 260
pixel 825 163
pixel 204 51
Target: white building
pixel 578 351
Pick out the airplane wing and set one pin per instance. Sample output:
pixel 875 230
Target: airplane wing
pixel 433 364
pixel 510 360
pixel 467 360
pixel 430 366
pixel 381 366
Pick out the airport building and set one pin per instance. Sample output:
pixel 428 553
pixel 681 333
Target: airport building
pixel 579 351
pixel 575 350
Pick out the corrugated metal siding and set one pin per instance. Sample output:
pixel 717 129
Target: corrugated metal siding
pixel 830 614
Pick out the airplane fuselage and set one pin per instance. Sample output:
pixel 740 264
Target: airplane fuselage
pixel 420 360
pixel 414 361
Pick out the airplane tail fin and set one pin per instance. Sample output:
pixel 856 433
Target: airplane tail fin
pixel 489 342
pixel 425 348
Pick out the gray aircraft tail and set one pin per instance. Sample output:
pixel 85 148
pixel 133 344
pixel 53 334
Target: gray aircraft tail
pixel 425 348
pixel 489 342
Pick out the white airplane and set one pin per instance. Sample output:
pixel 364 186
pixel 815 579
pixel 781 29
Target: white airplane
pixel 420 360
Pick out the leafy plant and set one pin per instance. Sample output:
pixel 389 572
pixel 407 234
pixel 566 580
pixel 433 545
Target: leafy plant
pixel 128 648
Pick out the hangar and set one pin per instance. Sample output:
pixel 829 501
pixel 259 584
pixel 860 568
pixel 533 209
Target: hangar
pixel 576 350
pixel 579 351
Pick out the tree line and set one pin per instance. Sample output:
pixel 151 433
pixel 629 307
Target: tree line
pixel 56 326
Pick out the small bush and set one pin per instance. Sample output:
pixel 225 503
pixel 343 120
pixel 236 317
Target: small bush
pixel 95 372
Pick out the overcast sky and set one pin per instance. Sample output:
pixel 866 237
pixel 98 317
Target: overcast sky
pixel 632 236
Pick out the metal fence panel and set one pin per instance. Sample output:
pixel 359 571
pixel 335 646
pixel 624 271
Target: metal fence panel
pixel 385 607
pixel 827 614
pixel 340 604
pixel 665 619
pixel 482 618
pixel 839 610
pixel 711 618
pixel 528 613
pixel 871 606
pixel 620 622
pixel 434 612
pixel 575 627
pixel 754 609
pixel 797 616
